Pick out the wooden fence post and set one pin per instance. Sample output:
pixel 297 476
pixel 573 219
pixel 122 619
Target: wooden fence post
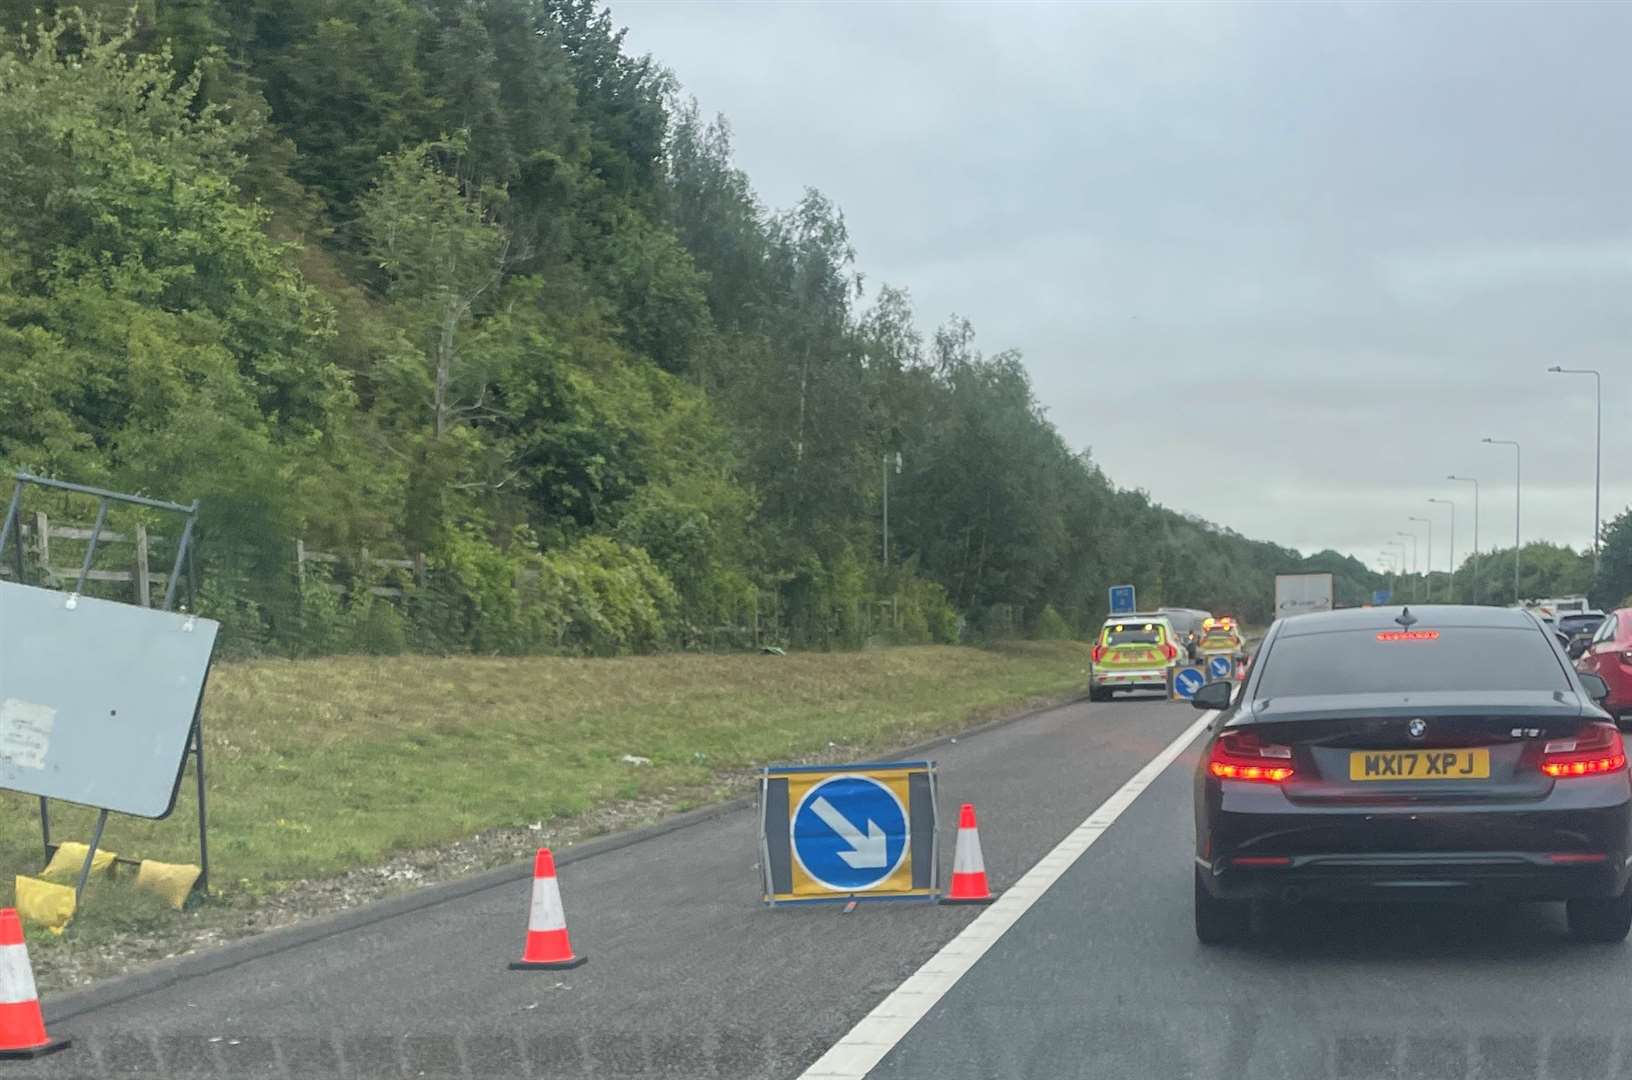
pixel 144 594
pixel 42 539
pixel 419 569
pixel 300 562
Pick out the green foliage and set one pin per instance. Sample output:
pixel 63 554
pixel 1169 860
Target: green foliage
pixel 1612 587
pixel 1051 626
pixel 1544 570
pixel 538 327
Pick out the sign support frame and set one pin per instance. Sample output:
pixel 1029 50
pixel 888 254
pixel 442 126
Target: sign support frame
pixel 184 556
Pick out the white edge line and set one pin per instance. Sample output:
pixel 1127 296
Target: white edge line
pixel 855 1055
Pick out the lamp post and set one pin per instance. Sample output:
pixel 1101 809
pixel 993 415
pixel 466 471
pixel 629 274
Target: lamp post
pixel 1413 537
pixel 1395 563
pixel 1518 476
pixel 1475 483
pixel 1428 558
pixel 1450 560
pixel 1598 454
pixel 887 502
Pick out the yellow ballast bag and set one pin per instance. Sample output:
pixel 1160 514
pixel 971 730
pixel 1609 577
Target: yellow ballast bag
pixel 44 903
pixel 168 881
pixel 69 859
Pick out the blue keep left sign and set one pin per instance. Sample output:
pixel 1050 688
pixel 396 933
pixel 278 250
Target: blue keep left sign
pixel 850 832
pixel 1220 667
pixel 1186 681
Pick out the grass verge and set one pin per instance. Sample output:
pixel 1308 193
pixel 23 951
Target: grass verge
pixel 319 768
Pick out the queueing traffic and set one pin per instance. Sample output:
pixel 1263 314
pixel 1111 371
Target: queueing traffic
pixel 1396 752
pixel 1399 753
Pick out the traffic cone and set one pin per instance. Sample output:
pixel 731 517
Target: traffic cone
pixel 22 1026
pixel 968 867
pixel 547 945
pixel 1240 671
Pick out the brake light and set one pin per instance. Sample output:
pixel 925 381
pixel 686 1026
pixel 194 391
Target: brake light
pixel 1170 650
pixel 1243 755
pixel 1596 750
pixel 1097 652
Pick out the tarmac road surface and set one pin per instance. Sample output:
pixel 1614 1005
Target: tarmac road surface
pixel 688 974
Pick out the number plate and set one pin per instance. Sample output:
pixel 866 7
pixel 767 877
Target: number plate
pixel 1419 765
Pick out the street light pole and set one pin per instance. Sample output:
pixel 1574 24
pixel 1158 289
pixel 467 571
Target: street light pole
pixel 1413 537
pixel 1450 561
pixel 1428 558
pixel 1598 454
pixel 1475 483
pixel 1394 564
pixel 887 503
pixel 1518 477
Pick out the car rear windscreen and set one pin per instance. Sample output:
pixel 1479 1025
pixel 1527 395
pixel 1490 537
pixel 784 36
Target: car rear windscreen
pixel 1419 661
pixel 1134 635
pixel 1575 624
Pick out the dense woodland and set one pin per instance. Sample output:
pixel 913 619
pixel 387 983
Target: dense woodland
pixel 467 278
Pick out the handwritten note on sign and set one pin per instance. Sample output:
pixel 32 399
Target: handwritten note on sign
pixel 25 732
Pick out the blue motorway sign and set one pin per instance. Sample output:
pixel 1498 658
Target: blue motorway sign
pixel 1186 681
pixel 1220 667
pixel 1381 596
pixel 1122 599
pixel 850 832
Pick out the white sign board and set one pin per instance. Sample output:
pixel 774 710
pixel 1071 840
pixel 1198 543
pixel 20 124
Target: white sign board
pixel 97 698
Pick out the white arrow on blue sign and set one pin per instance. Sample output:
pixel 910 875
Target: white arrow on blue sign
pixel 850 832
pixel 1219 667
pixel 1186 681
pixel 1122 599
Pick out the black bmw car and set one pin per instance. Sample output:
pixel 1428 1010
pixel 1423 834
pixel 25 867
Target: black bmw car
pixel 1412 753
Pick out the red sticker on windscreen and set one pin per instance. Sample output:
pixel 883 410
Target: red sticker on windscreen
pixel 1408 635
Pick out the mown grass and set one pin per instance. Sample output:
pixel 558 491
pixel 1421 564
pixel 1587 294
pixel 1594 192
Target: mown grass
pixel 320 766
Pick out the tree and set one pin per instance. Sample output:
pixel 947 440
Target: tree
pixel 1613 586
pixel 151 328
pixel 441 251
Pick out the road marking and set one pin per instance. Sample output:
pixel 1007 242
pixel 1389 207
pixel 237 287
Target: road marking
pixel 855 1055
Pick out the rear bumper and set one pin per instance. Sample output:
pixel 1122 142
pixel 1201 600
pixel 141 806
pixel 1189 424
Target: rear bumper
pixel 1120 679
pixel 1574 841
pixel 1381 876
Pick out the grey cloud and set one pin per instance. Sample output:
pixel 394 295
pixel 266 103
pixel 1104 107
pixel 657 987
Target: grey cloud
pixel 1321 249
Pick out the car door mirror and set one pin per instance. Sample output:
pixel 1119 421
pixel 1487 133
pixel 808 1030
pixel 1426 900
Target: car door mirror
pixel 1577 647
pixel 1216 695
pixel 1596 687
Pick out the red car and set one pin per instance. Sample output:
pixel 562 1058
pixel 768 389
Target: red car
pixel 1609 657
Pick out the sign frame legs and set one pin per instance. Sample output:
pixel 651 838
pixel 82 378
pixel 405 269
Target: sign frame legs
pixel 184 559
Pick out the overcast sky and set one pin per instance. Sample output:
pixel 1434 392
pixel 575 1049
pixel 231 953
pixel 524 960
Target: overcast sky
pixel 1280 265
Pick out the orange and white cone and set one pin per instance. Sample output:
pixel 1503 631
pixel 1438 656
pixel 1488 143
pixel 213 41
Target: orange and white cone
pixel 548 948
pixel 22 1025
pixel 1240 671
pixel 968 867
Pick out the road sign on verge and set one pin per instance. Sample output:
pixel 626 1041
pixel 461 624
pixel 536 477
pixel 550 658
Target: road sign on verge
pixel 1379 597
pixel 1122 600
pixel 1186 681
pixel 1220 667
pixel 848 832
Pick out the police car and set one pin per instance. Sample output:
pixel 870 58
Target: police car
pixel 1221 636
pixel 1133 652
